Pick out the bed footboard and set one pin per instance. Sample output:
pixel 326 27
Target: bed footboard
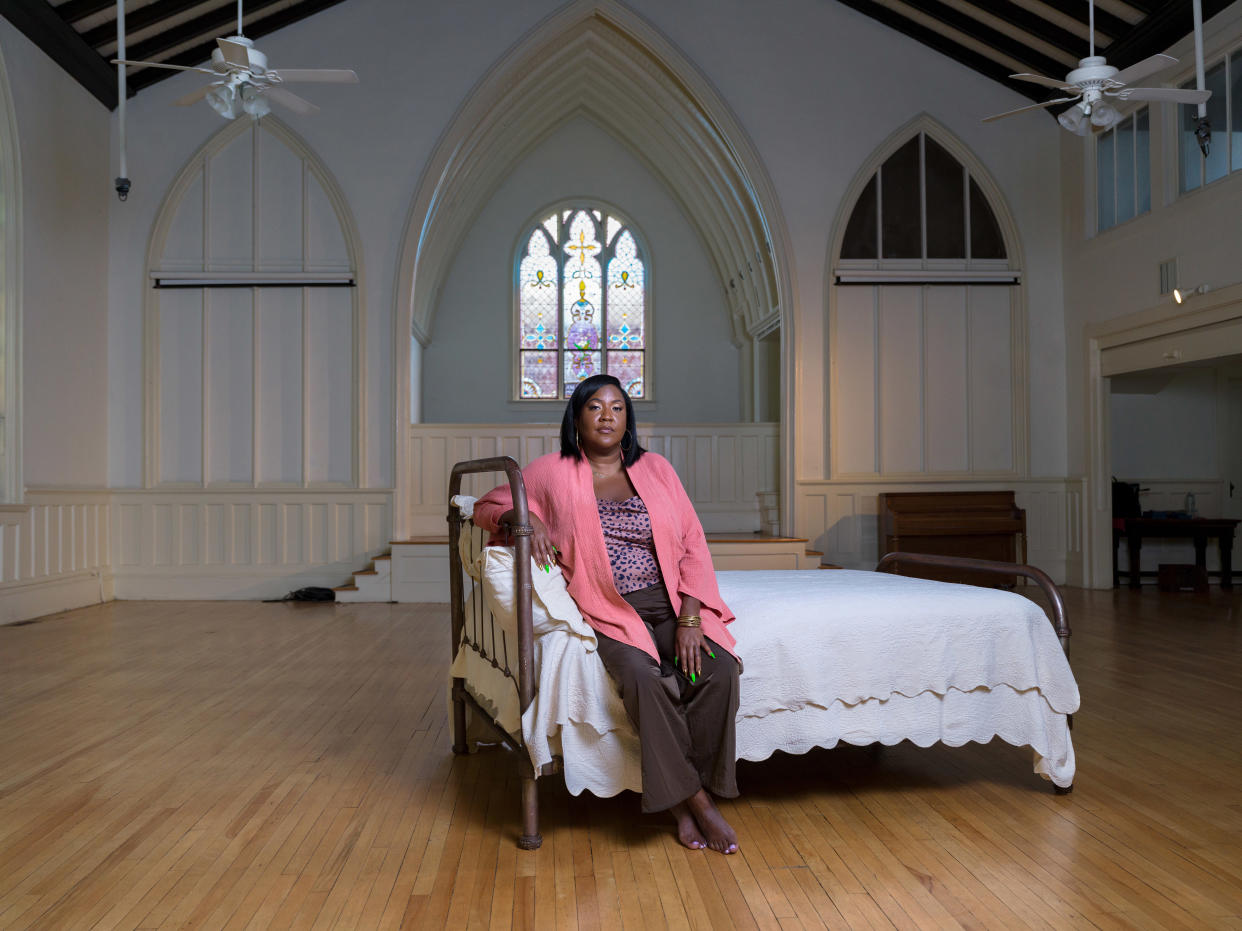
pixel 530 838
pixel 892 562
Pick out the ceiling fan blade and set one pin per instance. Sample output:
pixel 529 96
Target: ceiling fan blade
pixel 1144 68
pixel 315 76
pixel 193 96
pixel 291 100
pixel 1036 106
pixel 234 52
pixel 1162 94
pixel 156 64
pixel 1040 79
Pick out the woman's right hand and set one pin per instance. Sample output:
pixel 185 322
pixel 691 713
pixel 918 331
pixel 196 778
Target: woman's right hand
pixel 542 549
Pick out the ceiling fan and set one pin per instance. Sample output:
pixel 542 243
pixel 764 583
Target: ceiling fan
pixel 1095 80
pixel 244 83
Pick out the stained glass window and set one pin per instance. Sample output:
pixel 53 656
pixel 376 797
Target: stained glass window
pixel 582 303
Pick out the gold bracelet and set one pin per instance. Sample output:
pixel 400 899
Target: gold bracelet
pixel 692 620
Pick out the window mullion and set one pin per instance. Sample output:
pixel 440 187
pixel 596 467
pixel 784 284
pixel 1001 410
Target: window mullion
pixel 560 309
pixel 966 210
pixel 1116 131
pixel 923 196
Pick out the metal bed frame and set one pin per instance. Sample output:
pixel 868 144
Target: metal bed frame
pixel 474 636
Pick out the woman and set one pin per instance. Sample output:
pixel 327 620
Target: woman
pixel 633 553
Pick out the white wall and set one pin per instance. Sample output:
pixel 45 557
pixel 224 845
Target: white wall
pixel 1164 425
pixel 66 186
pixel 1117 272
pixel 54 546
pixel 474 317
pixel 794 81
pixel 797 95
pixel 415 64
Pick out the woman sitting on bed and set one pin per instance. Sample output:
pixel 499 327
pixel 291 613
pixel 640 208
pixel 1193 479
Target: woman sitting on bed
pixel 636 562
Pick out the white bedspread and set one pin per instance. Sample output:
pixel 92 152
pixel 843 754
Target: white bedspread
pixel 817 637
pixel 830 656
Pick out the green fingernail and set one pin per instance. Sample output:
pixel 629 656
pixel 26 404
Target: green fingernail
pixel 692 677
pixel 711 654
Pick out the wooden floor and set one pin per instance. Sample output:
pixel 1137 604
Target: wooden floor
pixel 235 765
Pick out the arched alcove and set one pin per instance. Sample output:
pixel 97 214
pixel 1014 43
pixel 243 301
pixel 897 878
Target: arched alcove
pixel 253 320
pixel 598 59
pixel 10 296
pixel 927 322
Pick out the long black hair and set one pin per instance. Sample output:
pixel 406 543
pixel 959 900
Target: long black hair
pixel 577 401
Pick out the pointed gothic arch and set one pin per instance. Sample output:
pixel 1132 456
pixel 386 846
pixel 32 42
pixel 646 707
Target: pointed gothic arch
pixel 962 153
pixel 855 293
pixel 598 59
pixel 281 229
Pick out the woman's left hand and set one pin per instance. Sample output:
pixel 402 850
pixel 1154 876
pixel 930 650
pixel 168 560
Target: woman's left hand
pixel 690 647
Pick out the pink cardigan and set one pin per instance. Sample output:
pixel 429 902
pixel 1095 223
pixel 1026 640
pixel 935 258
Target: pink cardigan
pixel 561 493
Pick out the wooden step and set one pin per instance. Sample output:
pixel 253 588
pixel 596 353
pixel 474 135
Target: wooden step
pixel 420 541
pixel 366 572
pixel 346 588
pixel 752 538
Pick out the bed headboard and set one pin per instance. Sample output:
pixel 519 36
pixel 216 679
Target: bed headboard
pixel 521 537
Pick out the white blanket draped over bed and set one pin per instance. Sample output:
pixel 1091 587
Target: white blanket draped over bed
pixel 829 656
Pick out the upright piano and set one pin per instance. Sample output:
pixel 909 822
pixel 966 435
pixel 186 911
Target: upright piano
pixel 981 524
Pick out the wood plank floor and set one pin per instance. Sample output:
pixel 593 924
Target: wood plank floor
pixel 236 765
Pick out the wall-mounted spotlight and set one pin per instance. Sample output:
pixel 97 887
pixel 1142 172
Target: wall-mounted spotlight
pixel 1182 295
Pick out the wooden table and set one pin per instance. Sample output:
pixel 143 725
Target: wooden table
pixel 1199 529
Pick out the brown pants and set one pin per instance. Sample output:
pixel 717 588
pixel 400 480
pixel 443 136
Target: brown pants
pixel 686 732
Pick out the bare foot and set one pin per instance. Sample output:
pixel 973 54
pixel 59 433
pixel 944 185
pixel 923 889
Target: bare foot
pixel 688 833
pixel 720 836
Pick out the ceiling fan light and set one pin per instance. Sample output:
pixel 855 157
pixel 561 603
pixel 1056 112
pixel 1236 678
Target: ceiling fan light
pixel 1075 120
pixel 253 102
pixel 1104 115
pixel 223 99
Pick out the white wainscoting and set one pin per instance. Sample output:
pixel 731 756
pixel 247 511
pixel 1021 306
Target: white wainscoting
pixel 723 465
pixel 1169 494
pixel 840 518
pixel 54 553
pixel 243 543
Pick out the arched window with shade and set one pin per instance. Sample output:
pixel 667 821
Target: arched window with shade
pixel 582 302
pixel 922 204
pixel 927 333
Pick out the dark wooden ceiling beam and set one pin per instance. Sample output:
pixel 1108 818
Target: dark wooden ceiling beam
pixel 1143 6
pixel 221 21
pixel 969 26
pixel 75 10
pixel 268 24
pixel 1021 18
pixel 984 65
pixel 1105 22
pixel 1157 32
pixel 150 15
pixel 41 24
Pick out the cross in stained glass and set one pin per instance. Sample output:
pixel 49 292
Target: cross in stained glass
pixel 582 248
